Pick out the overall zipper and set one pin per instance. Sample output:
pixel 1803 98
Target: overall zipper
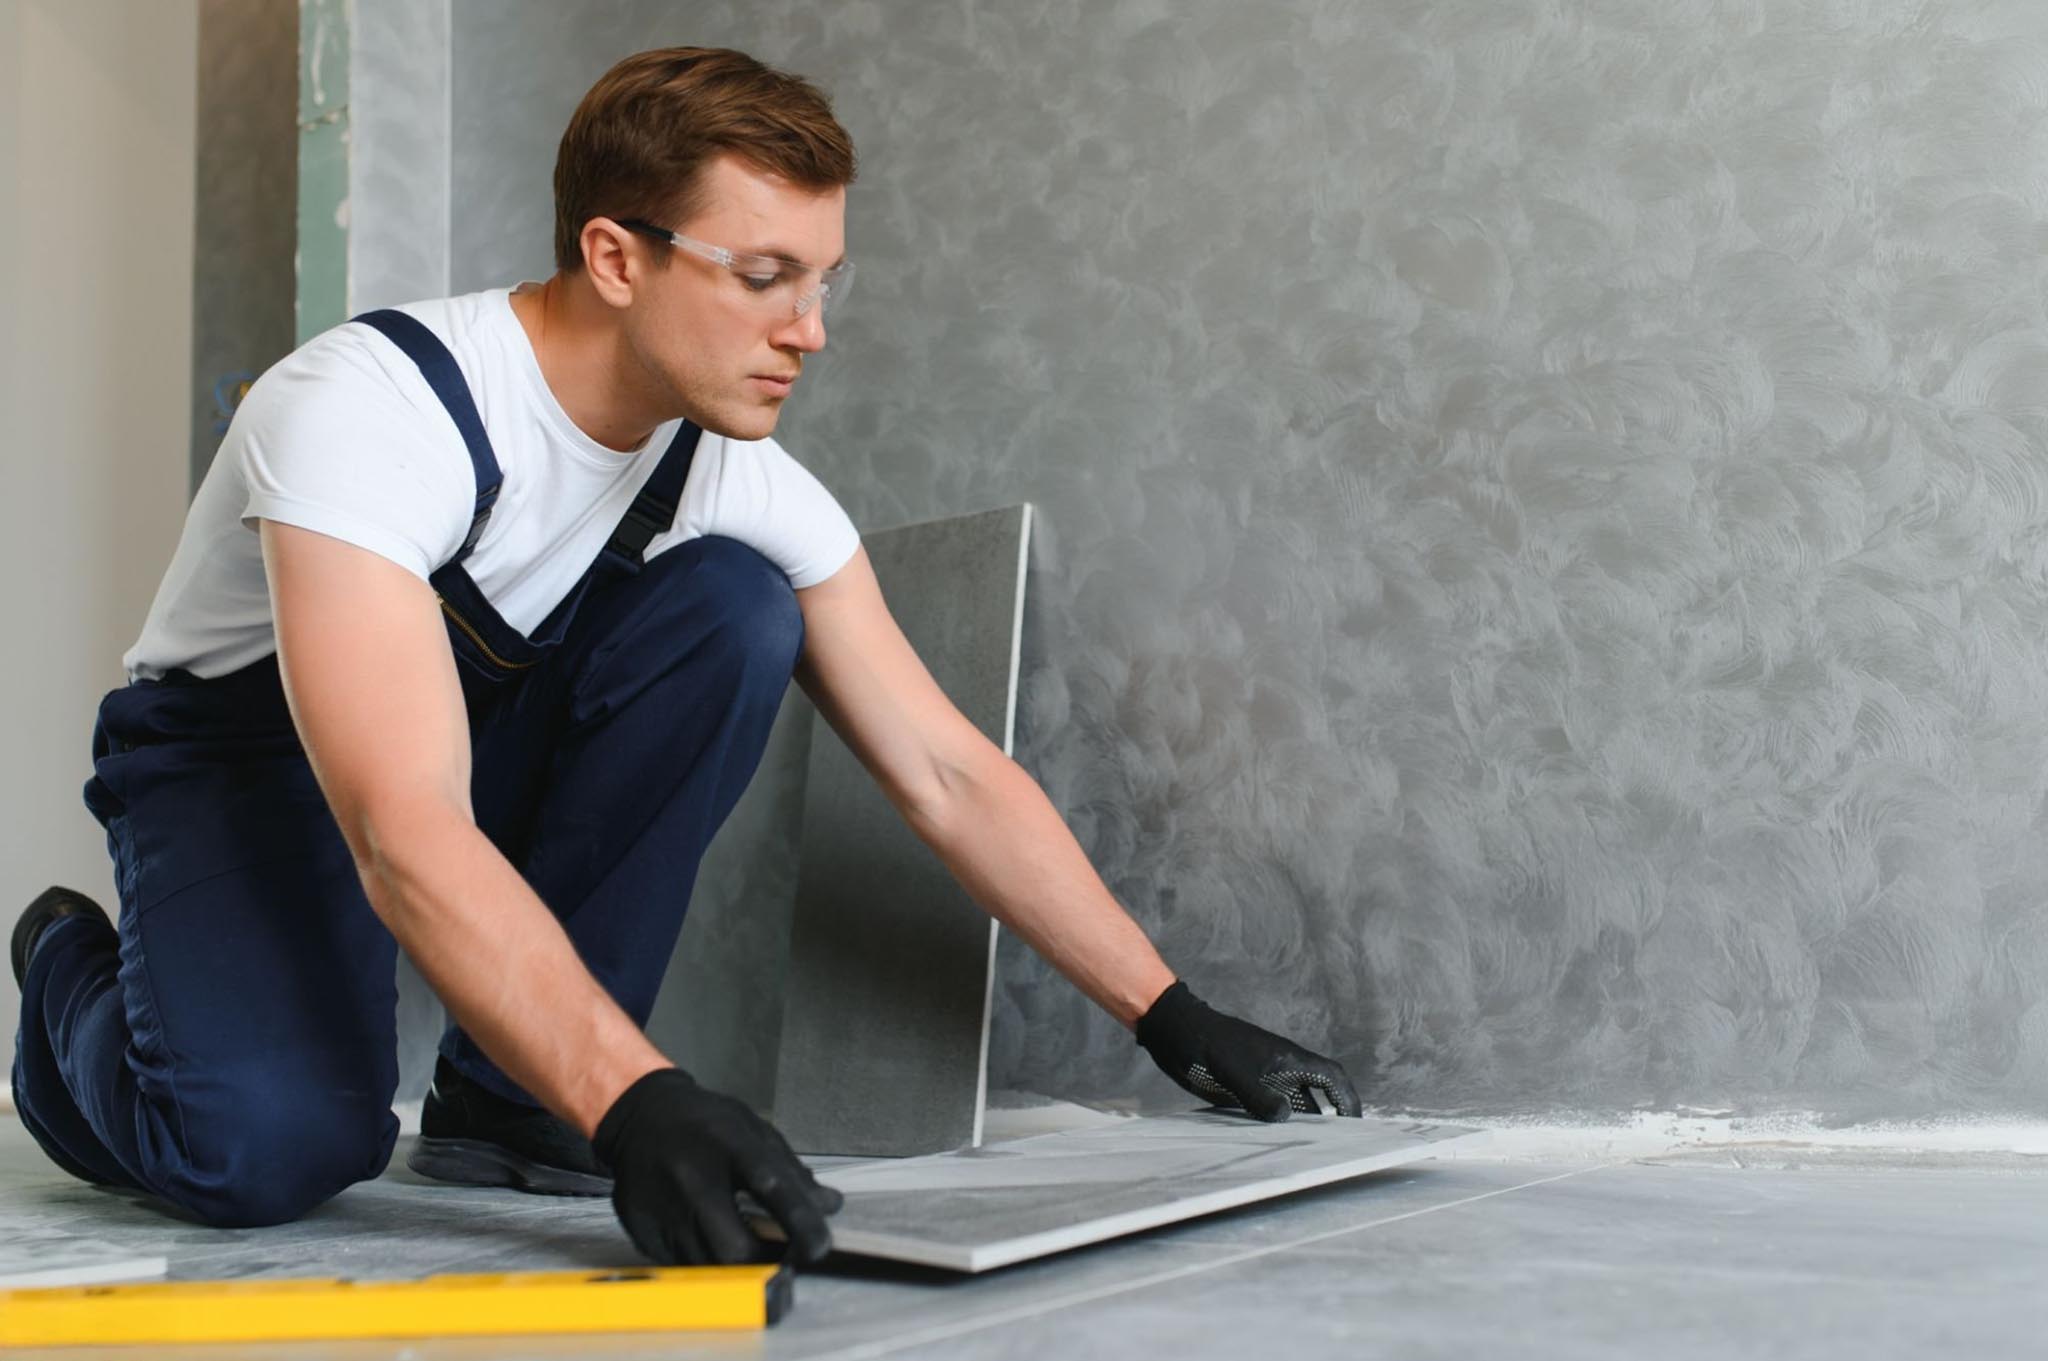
pixel 478 638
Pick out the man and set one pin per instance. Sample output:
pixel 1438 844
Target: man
pixel 472 640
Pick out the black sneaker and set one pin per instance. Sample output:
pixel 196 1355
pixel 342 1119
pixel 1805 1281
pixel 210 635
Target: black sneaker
pixel 49 905
pixel 471 1136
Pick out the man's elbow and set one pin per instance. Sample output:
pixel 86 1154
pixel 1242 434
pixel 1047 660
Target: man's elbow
pixel 943 804
pixel 397 842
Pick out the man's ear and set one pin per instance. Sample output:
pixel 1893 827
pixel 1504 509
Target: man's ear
pixel 608 257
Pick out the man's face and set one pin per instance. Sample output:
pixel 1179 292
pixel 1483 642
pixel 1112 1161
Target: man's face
pixel 726 353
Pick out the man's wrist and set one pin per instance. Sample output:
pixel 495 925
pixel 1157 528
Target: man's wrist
pixel 601 1094
pixel 1165 1013
pixel 1143 995
pixel 638 1093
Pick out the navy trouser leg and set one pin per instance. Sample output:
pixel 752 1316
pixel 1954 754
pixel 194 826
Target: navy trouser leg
pixel 72 948
pixel 603 774
pixel 232 1049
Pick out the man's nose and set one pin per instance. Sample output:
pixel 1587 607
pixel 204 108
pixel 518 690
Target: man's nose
pixel 805 333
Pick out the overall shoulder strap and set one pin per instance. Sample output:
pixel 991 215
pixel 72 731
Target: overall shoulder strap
pixel 654 510
pixel 444 376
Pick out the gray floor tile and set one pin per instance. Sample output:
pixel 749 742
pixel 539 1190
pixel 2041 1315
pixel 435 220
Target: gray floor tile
pixel 1453 1260
pixel 857 1305
pixel 1383 1197
pixel 884 1043
pixel 978 1209
pixel 1613 1262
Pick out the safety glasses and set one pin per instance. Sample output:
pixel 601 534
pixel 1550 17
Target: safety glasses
pixel 771 282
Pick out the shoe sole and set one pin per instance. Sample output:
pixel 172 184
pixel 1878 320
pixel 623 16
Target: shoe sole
pixel 51 906
pixel 472 1162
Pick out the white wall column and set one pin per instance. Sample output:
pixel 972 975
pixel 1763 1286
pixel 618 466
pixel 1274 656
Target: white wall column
pixel 97 119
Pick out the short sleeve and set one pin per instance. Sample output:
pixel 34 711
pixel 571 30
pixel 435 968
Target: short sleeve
pixel 753 491
pixel 345 438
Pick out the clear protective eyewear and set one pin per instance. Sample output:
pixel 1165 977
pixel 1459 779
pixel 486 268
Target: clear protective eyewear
pixel 768 277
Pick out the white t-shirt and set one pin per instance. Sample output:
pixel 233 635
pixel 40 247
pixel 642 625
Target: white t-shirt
pixel 344 437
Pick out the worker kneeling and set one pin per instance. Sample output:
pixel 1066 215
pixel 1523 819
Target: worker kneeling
pixel 473 639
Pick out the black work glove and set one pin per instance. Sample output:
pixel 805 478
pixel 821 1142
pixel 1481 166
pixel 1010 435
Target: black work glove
pixel 1234 1063
pixel 680 1155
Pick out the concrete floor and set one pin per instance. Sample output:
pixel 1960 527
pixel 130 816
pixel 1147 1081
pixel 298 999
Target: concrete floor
pixel 1681 1258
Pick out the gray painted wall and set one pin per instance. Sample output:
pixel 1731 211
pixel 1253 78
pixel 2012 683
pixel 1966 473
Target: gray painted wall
pixel 398 170
pixel 1544 553
pixel 244 225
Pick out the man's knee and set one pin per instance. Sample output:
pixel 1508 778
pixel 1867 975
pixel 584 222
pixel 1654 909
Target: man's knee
pixel 757 620
pixel 712 613
pixel 268 1156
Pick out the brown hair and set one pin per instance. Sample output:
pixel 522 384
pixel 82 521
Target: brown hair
pixel 638 143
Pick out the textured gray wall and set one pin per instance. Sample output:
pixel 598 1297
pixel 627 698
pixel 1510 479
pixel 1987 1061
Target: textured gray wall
pixel 398 169
pixel 246 180
pixel 1543 568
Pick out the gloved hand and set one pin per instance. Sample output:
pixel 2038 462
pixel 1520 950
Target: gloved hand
pixel 680 1154
pixel 1234 1063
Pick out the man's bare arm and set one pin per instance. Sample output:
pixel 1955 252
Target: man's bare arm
pixel 1034 878
pixel 995 829
pixel 373 691
pixel 984 817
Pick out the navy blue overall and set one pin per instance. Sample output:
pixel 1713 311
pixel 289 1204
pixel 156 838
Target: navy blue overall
pixel 231 1047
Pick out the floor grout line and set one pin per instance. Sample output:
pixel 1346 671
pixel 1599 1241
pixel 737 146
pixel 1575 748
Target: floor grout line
pixel 1019 1313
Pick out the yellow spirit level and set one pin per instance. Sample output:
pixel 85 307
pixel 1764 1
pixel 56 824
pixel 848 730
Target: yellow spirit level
pixel 637 1300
